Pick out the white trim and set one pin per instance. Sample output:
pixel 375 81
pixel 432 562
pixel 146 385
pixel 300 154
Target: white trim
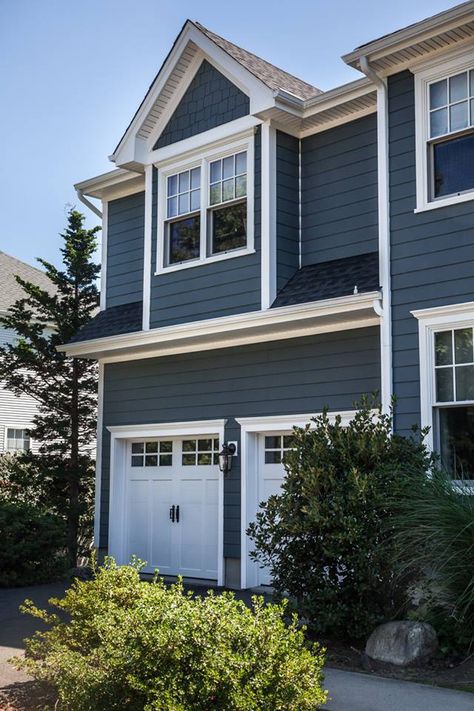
pixel 187 161
pixel 429 321
pixel 268 215
pixel 119 436
pixel 456 62
pixel 148 228
pixel 115 183
pixel 300 211
pixel 103 264
pixel 251 427
pixel 343 313
pixel 98 460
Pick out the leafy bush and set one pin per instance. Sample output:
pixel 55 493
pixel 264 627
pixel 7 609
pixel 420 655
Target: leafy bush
pixel 435 536
pixel 326 537
pixel 31 544
pixel 138 646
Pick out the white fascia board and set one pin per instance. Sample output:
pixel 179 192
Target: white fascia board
pixel 419 32
pixel 342 313
pixel 167 429
pixel 112 183
pixel 339 95
pixel 287 422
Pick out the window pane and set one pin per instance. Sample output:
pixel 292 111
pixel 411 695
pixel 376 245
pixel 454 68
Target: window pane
pixel 471 90
pixel 438 94
pixel 228 167
pixel 189 459
pixel 166 460
pixel 151 460
pixel 456 426
pixel 215 194
pixel 241 186
pixel 273 457
pixel 465 382
pixel 458 116
pixel 215 171
pixel 458 87
pixel 137 447
pixel 229 228
pixel 195 178
pixel 183 204
pixel 172 185
pixel 151 447
pixel 137 461
pixel 443 348
pixel 172 207
pixel 463 345
pixel 205 445
pixel 166 446
pixel 288 441
pixel 189 445
pixel 444 385
pixel 228 190
pixel 241 163
pixel 438 122
pixel 205 458
pixel 184 182
pixel 273 442
pixel 454 165
pixel 195 200
pixel 183 240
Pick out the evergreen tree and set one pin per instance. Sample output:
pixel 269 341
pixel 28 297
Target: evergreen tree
pixel 65 388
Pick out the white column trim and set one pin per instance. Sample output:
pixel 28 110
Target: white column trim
pixel 147 247
pixel 268 218
pixel 103 265
pixel 98 455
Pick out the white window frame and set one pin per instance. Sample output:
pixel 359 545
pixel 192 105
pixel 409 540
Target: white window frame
pixel 202 160
pixel 16 427
pixel 425 76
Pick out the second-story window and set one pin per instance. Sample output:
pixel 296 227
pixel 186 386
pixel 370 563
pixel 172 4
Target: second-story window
pixel 183 219
pixel 228 203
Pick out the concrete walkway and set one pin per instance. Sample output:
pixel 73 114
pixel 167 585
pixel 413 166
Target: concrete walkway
pixel 348 691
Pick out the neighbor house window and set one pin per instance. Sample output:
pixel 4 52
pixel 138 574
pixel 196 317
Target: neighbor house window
pixel 17 440
pixel 445 136
pixel 454 399
pixel 205 209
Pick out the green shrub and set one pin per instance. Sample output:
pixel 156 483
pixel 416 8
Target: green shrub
pixel 435 536
pixel 138 646
pixel 326 537
pixel 31 544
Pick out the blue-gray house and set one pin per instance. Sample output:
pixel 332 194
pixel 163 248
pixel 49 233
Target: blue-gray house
pixel 270 249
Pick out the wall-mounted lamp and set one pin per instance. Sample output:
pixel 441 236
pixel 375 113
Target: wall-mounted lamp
pixel 225 457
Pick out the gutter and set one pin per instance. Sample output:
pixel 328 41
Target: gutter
pixel 383 234
pixel 88 203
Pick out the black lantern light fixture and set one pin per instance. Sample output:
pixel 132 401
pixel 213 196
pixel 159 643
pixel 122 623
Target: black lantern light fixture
pixel 225 457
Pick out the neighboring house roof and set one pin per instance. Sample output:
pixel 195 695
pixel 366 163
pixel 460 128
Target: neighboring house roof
pixel 330 280
pixel 114 321
pixel 10 290
pixel 269 74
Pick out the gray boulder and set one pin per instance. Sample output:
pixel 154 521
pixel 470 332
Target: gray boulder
pixel 402 643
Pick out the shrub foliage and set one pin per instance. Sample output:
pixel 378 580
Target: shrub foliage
pixel 327 537
pixel 136 646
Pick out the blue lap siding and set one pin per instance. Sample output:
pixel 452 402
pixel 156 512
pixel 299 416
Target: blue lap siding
pixel 287 206
pixel 432 253
pixel 281 377
pixel 125 234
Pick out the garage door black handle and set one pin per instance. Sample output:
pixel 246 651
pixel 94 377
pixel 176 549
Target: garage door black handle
pixel 177 514
pixel 172 513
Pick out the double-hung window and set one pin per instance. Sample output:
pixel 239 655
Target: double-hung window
pixel 445 135
pixel 17 440
pixel 205 208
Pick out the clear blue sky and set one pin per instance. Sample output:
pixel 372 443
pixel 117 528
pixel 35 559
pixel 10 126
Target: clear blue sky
pixel 72 73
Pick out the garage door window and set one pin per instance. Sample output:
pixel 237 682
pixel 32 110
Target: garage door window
pixel 152 454
pixel 276 446
pixel 200 452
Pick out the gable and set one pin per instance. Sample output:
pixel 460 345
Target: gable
pixel 209 101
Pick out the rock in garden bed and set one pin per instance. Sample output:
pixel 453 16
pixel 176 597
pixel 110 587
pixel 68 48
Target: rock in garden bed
pixel 402 643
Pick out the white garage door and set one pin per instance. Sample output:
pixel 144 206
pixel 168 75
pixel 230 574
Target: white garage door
pixel 172 505
pixel 271 472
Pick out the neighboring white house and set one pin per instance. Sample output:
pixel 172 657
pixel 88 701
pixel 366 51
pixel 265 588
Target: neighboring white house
pixel 16 413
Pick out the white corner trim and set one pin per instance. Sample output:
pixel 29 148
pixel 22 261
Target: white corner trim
pixel 118 494
pixel 148 229
pixel 103 264
pixel 98 457
pixel 268 215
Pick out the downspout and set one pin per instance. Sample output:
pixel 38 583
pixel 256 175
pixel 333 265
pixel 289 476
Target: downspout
pixel 383 234
pixel 88 203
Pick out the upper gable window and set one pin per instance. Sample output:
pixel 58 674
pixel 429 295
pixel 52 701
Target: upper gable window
pixel 445 136
pixel 205 208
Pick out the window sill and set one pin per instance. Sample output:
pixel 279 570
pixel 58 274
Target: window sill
pixel 201 262
pixel 444 202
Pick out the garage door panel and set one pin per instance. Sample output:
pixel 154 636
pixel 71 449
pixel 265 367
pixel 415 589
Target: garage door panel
pixel 138 519
pixel 161 555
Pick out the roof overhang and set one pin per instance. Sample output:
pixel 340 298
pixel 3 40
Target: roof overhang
pixel 343 313
pixel 111 185
pixel 418 42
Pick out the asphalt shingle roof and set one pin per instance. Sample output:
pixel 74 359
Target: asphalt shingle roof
pixel 113 321
pixel 274 77
pixel 10 290
pixel 329 280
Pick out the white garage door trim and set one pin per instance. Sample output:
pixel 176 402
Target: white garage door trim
pixel 118 466
pixel 251 427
